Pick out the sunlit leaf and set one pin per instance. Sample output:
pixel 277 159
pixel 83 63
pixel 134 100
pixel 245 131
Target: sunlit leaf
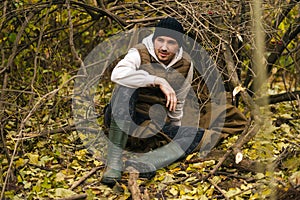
pixel 27 185
pixel 21 162
pixel 44 160
pixel 62 192
pixel 33 158
pixel 46 183
pixel 295 178
pixel 60 177
pixel 259 176
pixel 232 192
pixel 168 178
pixel 190 179
pixel 174 190
pixel 190 156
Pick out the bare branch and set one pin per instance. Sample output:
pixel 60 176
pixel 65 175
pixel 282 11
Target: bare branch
pixel 9 63
pixel 284 13
pixel 288 36
pixel 277 98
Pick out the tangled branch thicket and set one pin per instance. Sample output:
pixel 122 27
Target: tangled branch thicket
pixel 43 44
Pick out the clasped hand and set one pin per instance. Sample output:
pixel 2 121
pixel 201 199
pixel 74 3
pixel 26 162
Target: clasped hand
pixel 168 91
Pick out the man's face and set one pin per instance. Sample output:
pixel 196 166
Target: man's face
pixel 165 48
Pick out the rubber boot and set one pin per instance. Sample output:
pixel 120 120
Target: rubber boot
pixel 118 140
pixel 156 159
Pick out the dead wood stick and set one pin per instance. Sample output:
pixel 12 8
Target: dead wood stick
pixel 82 179
pixel 277 98
pixel 56 131
pixel 245 165
pixel 132 184
pixel 244 138
pixel 247 135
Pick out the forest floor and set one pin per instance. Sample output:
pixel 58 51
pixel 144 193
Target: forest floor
pixel 57 166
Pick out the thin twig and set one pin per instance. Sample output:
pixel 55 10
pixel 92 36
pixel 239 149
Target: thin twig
pixel 9 63
pixel 82 179
pixel 35 62
pixel 22 126
pixel 218 188
pixel 71 39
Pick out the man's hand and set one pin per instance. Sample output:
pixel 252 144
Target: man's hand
pixel 168 91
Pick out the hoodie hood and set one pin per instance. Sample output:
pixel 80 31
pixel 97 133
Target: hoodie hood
pixel 147 41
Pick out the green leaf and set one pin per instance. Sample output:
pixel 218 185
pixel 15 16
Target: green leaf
pixel 21 162
pixel 44 160
pixel 46 184
pixel 12 37
pixel 37 187
pixel 33 158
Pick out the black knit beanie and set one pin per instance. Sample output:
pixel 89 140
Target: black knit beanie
pixel 169 27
